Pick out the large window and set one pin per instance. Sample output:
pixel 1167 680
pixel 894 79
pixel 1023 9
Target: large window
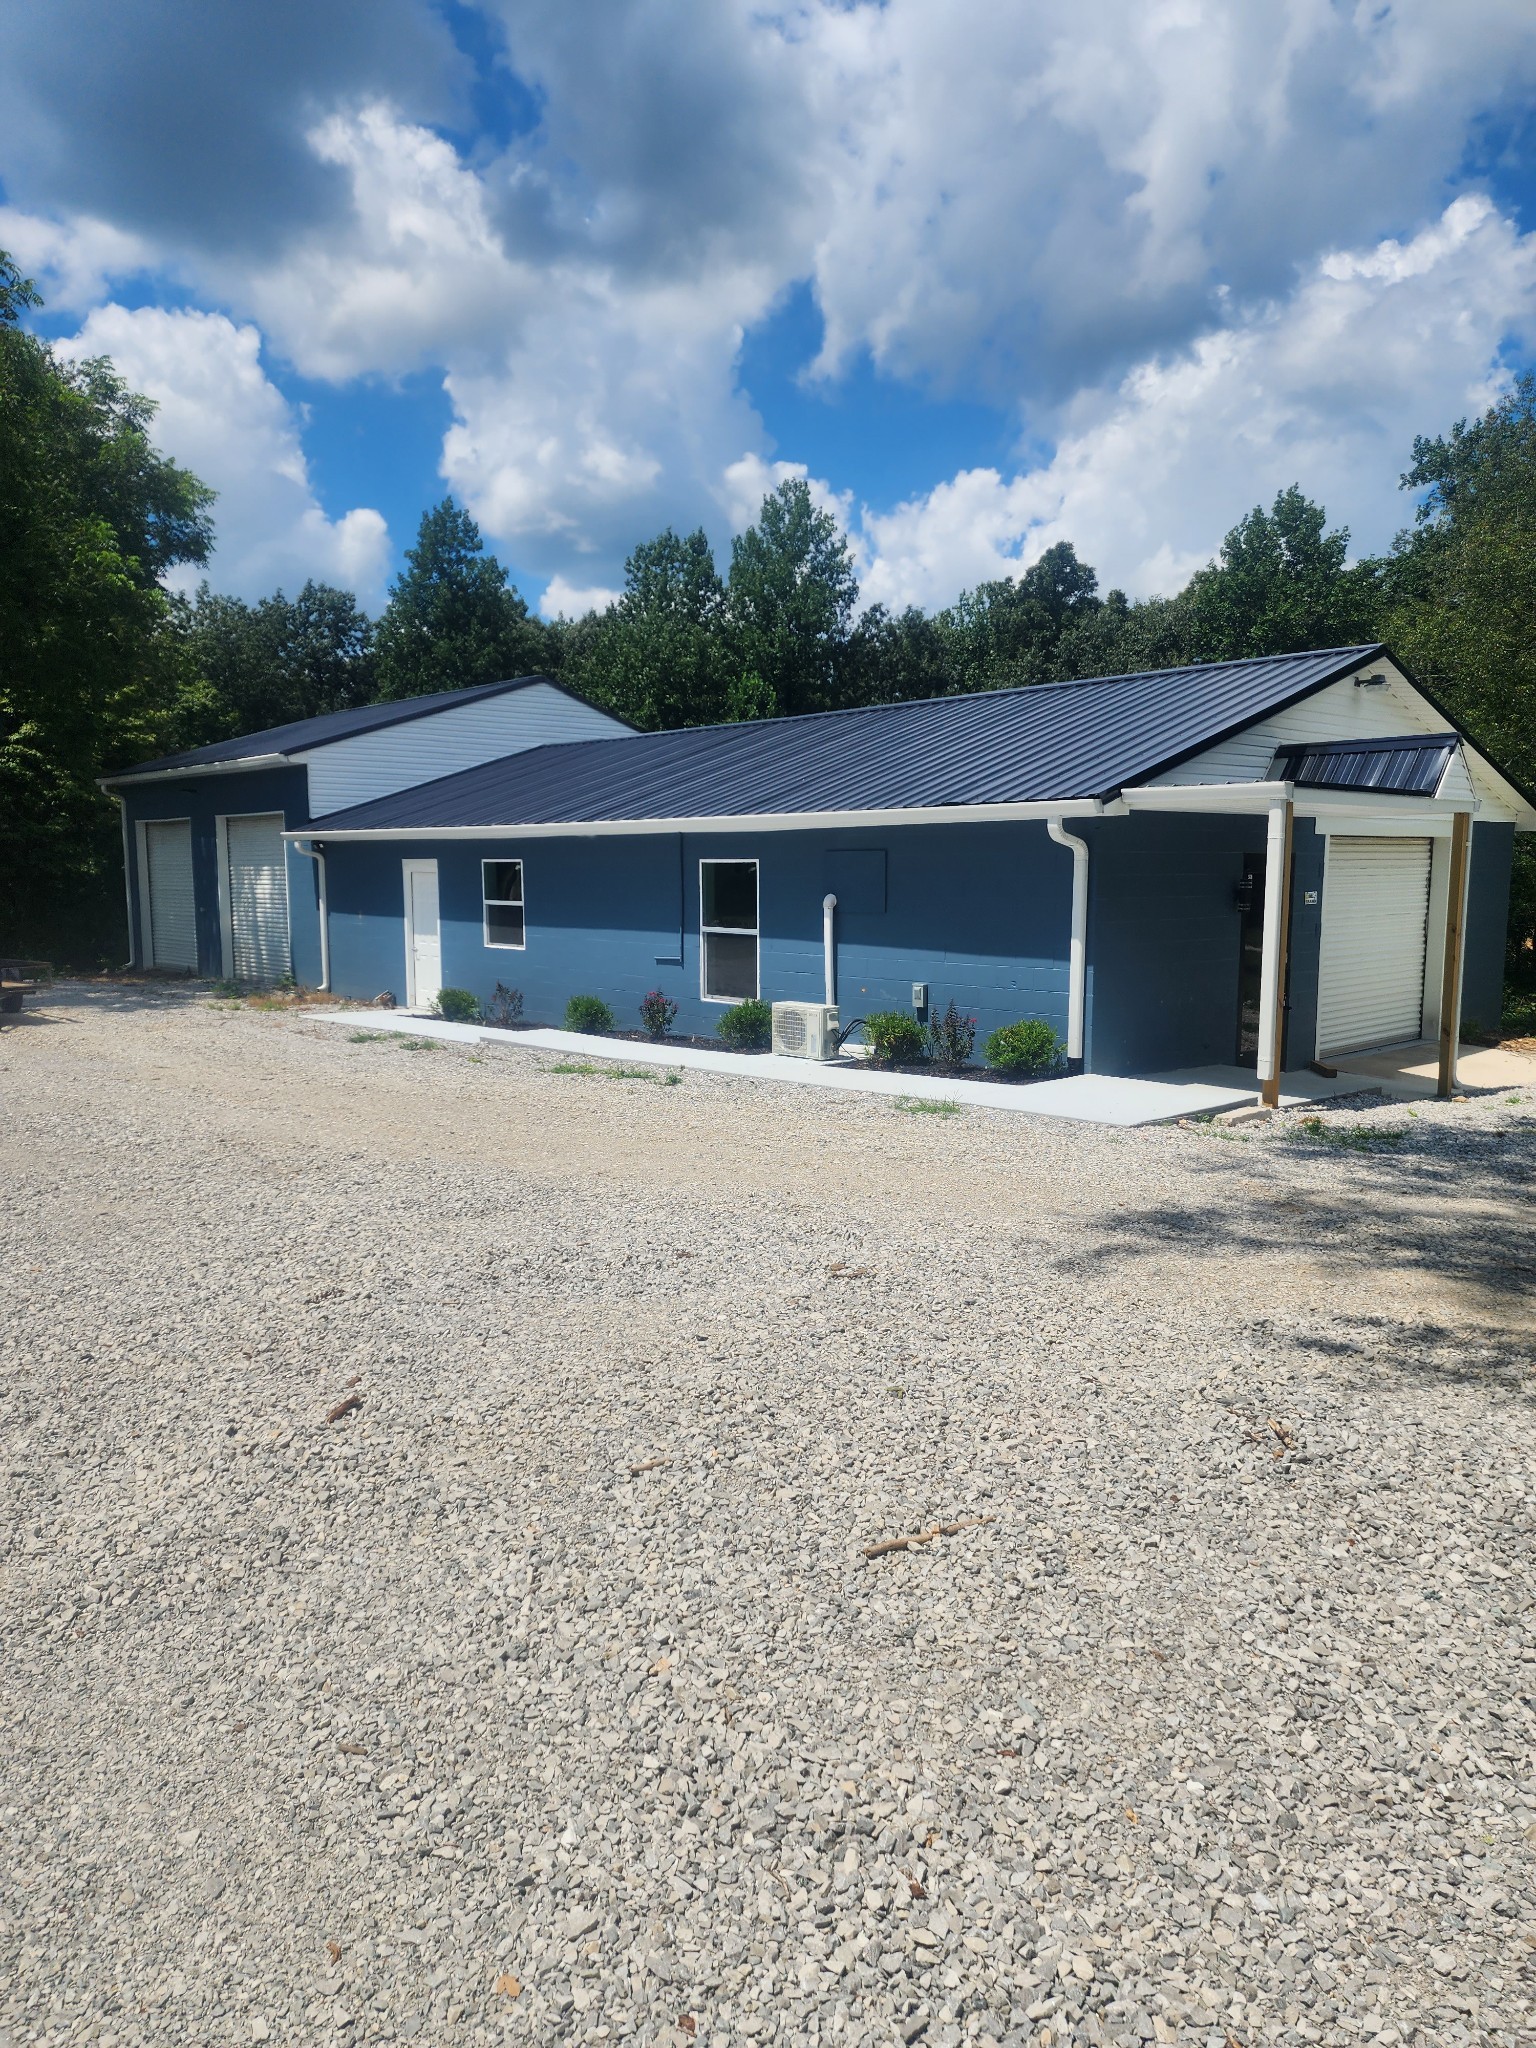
pixel 728 926
pixel 502 881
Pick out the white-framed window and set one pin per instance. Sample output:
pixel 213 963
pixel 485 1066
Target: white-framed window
pixel 727 930
pixel 501 883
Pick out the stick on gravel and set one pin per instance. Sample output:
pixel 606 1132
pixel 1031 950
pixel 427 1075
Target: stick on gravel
pixel 650 1465
pixel 345 1407
pixel 926 1535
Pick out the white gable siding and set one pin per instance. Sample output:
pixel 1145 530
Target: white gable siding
pixel 1456 783
pixel 371 764
pixel 1345 711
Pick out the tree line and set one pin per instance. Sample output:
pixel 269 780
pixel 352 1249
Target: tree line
pixel 104 665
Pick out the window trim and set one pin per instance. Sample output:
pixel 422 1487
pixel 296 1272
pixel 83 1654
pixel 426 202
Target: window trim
pixel 518 902
pixel 752 932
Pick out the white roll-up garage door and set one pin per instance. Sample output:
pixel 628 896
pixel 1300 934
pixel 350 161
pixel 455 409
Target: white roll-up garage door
pixel 172 935
pixel 258 897
pixel 1375 915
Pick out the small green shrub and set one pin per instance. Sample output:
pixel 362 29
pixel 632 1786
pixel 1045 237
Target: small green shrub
pixel 1028 1047
pixel 951 1038
pixel 229 991
pixel 505 1009
pixel 658 1013
pixel 895 1038
pixel 748 1026
pixel 457 1005
pixel 588 1013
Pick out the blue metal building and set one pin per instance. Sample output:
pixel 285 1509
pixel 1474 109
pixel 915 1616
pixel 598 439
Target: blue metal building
pixel 212 885
pixel 1272 861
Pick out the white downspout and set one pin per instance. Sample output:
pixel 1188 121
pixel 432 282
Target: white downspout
pixel 1269 972
pixel 829 946
pixel 133 923
pixel 1077 974
pixel 312 852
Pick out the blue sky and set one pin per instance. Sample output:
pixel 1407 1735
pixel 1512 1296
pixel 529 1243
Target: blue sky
pixel 989 275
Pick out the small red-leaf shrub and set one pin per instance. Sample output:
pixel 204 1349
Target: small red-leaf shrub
pixel 658 1013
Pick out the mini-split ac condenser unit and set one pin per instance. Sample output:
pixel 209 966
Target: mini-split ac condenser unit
pixel 805 1031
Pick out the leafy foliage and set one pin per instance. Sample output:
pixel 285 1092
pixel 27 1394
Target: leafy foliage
pixel 93 674
pixel 274 661
pixel 505 1009
pixel 451 620
pixel 457 1005
pixel 588 1013
pixel 1030 1048
pixel 792 595
pixel 951 1038
pixel 658 1012
pixel 895 1038
pixel 748 1026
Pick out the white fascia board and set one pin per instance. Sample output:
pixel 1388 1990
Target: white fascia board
pixel 776 821
pixel 1206 796
pixel 252 761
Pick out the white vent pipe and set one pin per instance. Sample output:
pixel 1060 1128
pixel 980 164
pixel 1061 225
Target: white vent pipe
pixel 829 946
pixel 1077 973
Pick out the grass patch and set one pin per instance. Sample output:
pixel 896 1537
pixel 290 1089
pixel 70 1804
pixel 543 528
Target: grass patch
pixel 604 1072
pixel 913 1106
pixel 368 1038
pixel 1349 1137
pixel 228 991
pixel 419 1045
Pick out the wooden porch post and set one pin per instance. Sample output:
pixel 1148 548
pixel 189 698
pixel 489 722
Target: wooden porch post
pixel 1277 940
pixel 1455 944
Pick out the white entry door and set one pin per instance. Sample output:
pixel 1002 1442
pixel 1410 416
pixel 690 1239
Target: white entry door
pixel 423 949
pixel 1375 915
pixel 167 874
pixel 256 886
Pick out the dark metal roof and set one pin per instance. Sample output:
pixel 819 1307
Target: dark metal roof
pixel 305 733
pixel 1044 743
pixel 1395 767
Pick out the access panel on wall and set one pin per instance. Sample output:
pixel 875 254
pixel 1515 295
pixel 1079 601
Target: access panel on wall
pixel 1375 917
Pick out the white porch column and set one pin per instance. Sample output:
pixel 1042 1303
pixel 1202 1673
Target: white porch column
pixel 1277 922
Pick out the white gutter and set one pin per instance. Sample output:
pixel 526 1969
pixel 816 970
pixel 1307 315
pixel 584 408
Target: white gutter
pixel 829 946
pixel 1077 977
pixel 116 782
pixel 735 821
pixel 312 852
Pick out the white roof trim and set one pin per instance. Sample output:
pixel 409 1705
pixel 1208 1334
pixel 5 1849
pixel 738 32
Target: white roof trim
pixel 241 767
pixel 768 821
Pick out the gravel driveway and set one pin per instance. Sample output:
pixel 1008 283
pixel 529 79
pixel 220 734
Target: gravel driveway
pixel 548 1695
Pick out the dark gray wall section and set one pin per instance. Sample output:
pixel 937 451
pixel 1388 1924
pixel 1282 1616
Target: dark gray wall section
pixel 1308 847
pixel 203 799
pixel 1482 983
pixel 1163 939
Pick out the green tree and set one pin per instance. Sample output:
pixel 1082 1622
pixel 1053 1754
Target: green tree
pixel 1283 583
pixel 451 620
pixel 1011 631
pixel 659 656
pixel 279 659
pixel 1460 600
pixel 94 672
pixel 790 602
pixel 897 657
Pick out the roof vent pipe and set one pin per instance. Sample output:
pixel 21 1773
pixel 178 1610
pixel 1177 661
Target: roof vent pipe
pixel 829 946
pixel 312 852
pixel 1077 976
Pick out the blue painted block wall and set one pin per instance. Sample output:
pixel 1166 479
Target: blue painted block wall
pixel 203 799
pixel 981 913
pixel 1305 949
pixel 1164 933
pixel 1482 981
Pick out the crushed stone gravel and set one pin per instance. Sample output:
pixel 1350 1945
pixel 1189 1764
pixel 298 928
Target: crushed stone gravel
pixel 545 1692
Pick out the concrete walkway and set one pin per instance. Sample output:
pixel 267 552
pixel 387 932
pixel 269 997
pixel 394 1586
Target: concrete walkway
pixel 1080 1098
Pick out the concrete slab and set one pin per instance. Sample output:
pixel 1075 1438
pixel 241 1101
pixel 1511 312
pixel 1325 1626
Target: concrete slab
pixel 1296 1089
pixel 1407 1071
pixel 1125 1101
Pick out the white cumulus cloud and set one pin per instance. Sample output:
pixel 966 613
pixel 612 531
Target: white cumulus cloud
pixel 1326 388
pixel 223 418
